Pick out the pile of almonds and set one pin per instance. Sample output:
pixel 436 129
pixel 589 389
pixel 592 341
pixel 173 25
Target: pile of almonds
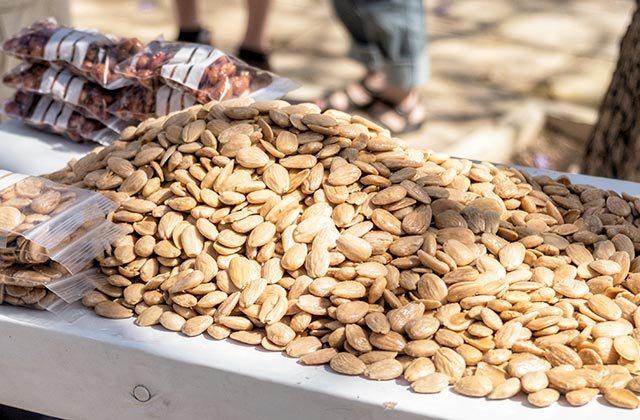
pixel 319 235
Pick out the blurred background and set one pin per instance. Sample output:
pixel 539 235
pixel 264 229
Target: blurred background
pixel 511 81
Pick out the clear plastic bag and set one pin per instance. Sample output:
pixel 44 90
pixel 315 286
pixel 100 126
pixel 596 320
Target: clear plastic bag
pixel 74 253
pixel 139 103
pixel 205 72
pixel 48 287
pixel 67 223
pixel 88 244
pixel 29 297
pixel 87 53
pixel 62 85
pixel 47 114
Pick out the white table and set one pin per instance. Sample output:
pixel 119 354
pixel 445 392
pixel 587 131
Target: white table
pixel 90 370
pixel 31 152
pixel 98 369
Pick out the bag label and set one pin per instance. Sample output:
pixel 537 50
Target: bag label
pixel 169 100
pixel 187 67
pixel 71 46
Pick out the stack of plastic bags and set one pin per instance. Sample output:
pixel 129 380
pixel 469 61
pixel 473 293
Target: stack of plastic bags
pixel 49 236
pixel 68 80
pixel 90 86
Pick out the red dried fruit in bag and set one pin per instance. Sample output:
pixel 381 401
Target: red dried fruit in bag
pixel 203 71
pixel 86 53
pixel 138 103
pixel 62 85
pixel 47 114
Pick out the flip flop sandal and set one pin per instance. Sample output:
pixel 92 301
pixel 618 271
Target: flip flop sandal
pixel 408 125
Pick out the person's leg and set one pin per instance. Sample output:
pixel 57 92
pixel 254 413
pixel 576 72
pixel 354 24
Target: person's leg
pixel 351 19
pixel 254 47
pixel 254 37
pixel 189 23
pixel 358 94
pixel 187 11
pixel 398 29
pixel 400 32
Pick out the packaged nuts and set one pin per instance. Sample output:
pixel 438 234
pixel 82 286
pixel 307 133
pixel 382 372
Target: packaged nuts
pixel 137 103
pixel 45 113
pixel 41 221
pixel 86 53
pixel 47 287
pixel 64 86
pixel 205 72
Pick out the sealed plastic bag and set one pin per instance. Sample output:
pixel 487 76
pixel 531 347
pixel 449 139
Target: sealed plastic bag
pixel 48 287
pixel 66 223
pixel 47 114
pixel 74 252
pixel 205 72
pixel 139 103
pixel 62 85
pixel 87 53
pixel 30 297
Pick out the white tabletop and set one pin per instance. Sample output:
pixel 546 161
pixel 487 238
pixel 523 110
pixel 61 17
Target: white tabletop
pixel 31 152
pixel 89 369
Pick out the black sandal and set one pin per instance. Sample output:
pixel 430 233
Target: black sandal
pixel 328 100
pixel 408 125
pixel 257 59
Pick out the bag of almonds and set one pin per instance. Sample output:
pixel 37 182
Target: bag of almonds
pixel 86 53
pixel 139 103
pixel 205 72
pixel 47 287
pixel 45 113
pixel 62 85
pixel 74 252
pixel 43 221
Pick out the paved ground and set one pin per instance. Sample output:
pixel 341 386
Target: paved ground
pixel 488 56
